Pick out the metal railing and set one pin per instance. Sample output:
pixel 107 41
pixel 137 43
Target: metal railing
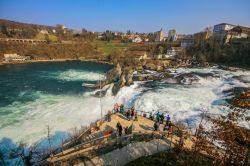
pixel 71 148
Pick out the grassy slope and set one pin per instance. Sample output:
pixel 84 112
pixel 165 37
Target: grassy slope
pixel 108 47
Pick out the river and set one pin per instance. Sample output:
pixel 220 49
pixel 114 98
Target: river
pixel 33 96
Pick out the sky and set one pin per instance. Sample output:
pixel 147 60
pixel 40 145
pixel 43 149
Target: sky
pixel 186 16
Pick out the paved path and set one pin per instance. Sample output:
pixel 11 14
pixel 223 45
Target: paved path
pixel 128 153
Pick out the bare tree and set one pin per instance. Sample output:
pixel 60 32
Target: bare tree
pixel 2 158
pixel 26 153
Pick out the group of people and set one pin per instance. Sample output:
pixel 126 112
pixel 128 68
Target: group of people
pixel 127 130
pixel 159 119
pixel 131 114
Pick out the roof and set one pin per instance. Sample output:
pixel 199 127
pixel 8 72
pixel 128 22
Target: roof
pixel 224 24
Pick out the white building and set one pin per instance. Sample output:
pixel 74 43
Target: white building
pixel 43 31
pixel 238 32
pixel 15 57
pixel 137 40
pixel 220 30
pixel 173 52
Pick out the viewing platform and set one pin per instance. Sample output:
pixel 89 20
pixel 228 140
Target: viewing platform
pixel 102 143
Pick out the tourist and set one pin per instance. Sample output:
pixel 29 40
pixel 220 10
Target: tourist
pixel 126 130
pixel 119 128
pixel 167 119
pixel 169 127
pixel 132 112
pixel 158 116
pixel 109 116
pixel 162 118
pixel 128 114
pixel 136 116
pixel 151 116
pixel 155 126
pixel 122 109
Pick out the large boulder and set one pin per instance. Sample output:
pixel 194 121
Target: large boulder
pixel 114 74
pixel 115 88
pixel 122 81
pixel 129 79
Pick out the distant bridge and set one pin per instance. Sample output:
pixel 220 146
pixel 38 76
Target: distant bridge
pixel 23 40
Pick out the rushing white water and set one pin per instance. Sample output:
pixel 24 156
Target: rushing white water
pixel 186 102
pixel 73 75
pixel 183 102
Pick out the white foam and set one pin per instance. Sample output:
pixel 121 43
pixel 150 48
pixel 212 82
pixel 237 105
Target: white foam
pixel 186 102
pixel 63 112
pixel 74 75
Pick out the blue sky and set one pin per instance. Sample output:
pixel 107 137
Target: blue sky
pixel 186 16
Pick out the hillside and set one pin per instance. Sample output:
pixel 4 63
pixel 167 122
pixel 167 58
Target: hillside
pixel 21 30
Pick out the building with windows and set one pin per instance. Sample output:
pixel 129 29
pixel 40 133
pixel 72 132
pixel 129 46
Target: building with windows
pixel 137 40
pixel 15 57
pixel 159 36
pixel 172 35
pixel 220 30
pixel 173 52
pixel 238 32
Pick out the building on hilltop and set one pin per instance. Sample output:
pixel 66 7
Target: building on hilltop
pixel 172 35
pixel 237 32
pixel 220 30
pixel 174 53
pixel 15 57
pixel 159 36
pixel 137 40
pixel 43 31
pixel 225 32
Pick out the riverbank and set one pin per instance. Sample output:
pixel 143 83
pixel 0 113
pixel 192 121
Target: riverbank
pixel 55 60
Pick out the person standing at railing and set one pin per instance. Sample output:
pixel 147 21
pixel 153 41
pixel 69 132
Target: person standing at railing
pixel 162 118
pixel 136 116
pixel 167 119
pixel 156 126
pixel 158 116
pixel 121 108
pixel 170 127
pixel 151 117
pixel 109 116
pixel 132 112
pixel 119 128
pixel 126 130
pixel 128 114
